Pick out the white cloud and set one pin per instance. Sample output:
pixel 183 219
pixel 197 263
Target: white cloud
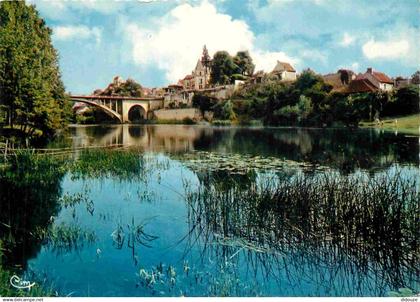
pixel 314 55
pixel 355 66
pixel 401 44
pixel 347 40
pixel 176 40
pixel 389 50
pixel 65 33
pixel 58 10
pixel 266 60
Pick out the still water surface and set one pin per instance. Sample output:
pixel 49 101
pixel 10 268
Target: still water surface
pixel 145 241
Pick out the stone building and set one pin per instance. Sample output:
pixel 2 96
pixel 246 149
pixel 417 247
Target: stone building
pixel 284 71
pixel 200 77
pixel 380 80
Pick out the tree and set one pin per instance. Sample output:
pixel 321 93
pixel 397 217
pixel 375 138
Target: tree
pixel 203 102
pixel 244 62
pixel 205 57
pixel 405 101
pixel 222 68
pixel 415 78
pixel 31 89
pixel 129 88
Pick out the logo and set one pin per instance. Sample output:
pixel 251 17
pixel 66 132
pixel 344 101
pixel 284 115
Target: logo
pixel 17 282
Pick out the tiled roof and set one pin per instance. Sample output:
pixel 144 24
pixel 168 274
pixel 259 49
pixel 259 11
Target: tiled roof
pixel 381 77
pixel 361 85
pixel 334 80
pixel 283 66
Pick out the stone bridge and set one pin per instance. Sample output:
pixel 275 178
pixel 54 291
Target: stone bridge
pixel 124 109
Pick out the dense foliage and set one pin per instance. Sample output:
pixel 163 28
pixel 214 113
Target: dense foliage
pixel 310 101
pixel 127 88
pixel 31 91
pixel 225 69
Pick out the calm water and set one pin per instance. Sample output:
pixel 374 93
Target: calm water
pixel 136 233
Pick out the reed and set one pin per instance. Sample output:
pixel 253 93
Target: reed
pixel 370 224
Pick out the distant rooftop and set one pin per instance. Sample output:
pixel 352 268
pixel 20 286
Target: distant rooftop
pixel 283 66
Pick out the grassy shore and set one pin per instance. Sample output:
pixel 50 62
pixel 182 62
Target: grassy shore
pixel 407 124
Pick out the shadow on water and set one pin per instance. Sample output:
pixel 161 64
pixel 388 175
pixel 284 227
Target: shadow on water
pixel 30 190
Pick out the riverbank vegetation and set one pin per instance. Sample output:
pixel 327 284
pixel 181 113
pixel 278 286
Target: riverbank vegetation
pixel 32 95
pixel 409 124
pixel 308 101
pixel 368 224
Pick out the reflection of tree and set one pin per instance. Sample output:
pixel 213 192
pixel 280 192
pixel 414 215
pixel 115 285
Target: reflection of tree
pixel 337 148
pixel 343 235
pixel 223 180
pixel 30 189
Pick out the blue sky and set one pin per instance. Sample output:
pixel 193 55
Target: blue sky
pixel 158 42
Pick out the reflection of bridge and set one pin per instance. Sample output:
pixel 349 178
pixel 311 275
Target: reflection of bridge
pixel 125 109
pixel 171 138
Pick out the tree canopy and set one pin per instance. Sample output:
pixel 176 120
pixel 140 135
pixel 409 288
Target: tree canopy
pixel 244 62
pixel 223 68
pixel 127 88
pixel 31 91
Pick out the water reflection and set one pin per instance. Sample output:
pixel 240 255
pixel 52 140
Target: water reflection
pixel 342 149
pixel 30 191
pixel 191 212
pixel 319 235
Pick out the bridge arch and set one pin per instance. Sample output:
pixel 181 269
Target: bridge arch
pixel 120 106
pixel 136 113
pixel 104 108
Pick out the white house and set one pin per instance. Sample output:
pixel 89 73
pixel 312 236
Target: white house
pixel 284 71
pixel 379 79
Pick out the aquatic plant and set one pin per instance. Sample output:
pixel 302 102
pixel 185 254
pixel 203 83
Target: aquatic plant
pixel 30 189
pixel 402 292
pixel 135 234
pixel 64 238
pixel 102 163
pixel 203 161
pixel 220 280
pixel 369 222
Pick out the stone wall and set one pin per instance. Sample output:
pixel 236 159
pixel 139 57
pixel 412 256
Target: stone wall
pixel 177 114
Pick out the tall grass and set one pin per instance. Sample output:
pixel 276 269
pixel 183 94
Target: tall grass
pixel 368 224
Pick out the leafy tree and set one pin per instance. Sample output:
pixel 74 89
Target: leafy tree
pixel 296 114
pixel 129 88
pixel 244 62
pixel 405 101
pixel 203 102
pixel 222 68
pixel 224 110
pixel 31 89
pixel 415 78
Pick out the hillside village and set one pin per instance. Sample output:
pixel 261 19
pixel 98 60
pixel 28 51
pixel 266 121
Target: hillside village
pixel 199 83
pixel 344 81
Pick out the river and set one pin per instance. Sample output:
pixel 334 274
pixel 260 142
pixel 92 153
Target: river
pixel 140 220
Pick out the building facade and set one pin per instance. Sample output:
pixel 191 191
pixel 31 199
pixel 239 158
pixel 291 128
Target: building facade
pixel 379 79
pixel 199 78
pixel 284 71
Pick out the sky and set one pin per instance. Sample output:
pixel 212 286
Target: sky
pixel 158 42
